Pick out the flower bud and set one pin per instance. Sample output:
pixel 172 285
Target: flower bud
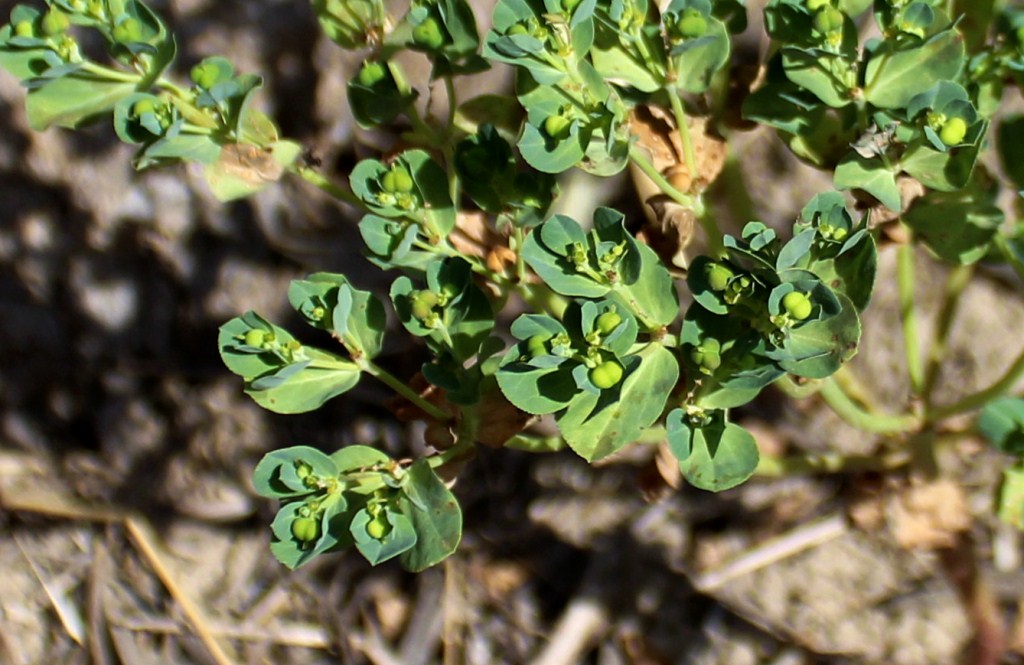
pixel 797 304
pixel 371 74
pixel 205 75
pixel 254 337
pixel 306 529
pixel 608 322
pixel 378 527
pixel 828 19
pixel 718 276
pixel 24 28
pixel 953 131
pixel 557 126
pixel 127 31
pixel 692 24
pixel 428 34
pixel 422 304
pixel 397 180
pixel 606 375
pixel 54 22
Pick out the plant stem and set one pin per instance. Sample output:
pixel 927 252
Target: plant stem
pixel 458 451
pixel 980 398
pixel 318 180
pixel 955 284
pixel 795 465
pixel 110 74
pixel 905 282
pixel 797 390
pixel 402 389
pixel 853 414
pixel 637 156
pixel 683 127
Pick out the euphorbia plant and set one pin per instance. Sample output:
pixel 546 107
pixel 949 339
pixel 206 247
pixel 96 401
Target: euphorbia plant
pixel 607 349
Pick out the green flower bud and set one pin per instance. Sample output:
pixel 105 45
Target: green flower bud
pixel 797 305
pixel 839 233
pixel 54 22
pixel 205 75
pixel 537 345
pixel 828 19
pixel 517 29
pixel 378 527
pixel 815 5
pixel 557 126
pixel 127 31
pixel 254 337
pixel 24 28
pixel 96 9
pixel 608 322
pixel 692 24
pixel 306 529
pixel 371 74
pixel 953 132
pixel 428 34
pixel 397 180
pixel 422 304
pixel 711 345
pixel 303 470
pixel 606 375
pixel 718 276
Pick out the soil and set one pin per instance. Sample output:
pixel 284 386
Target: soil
pixel 129 531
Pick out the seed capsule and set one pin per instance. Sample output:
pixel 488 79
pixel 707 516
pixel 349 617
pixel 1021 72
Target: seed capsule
pixel 255 337
pixel 142 107
pixel 797 305
pixel 606 375
pixel 815 5
pixel 422 304
pixel 371 74
pixel 828 19
pixel 718 276
pixel 953 132
pixel 608 322
pixel 377 528
pixel 24 29
pixel 557 126
pixel 428 34
pixel 204 75
pixel 55 22
pixel 397 180
pixel 306 529
pixel 127 31
pixel 692 24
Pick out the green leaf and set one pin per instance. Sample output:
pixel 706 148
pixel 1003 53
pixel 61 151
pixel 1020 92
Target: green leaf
pixel 547 154
pixel 826 75
pixel 870 175
pixel 956 226
pixel 401 536
pixel 816 349
pixel 358 458
pixel 1001 422
pixel 73 101
pixel 356 316
pixel 334 523
pixel 942 170
pixel 275 476
pixel 308 389
pixel 596 425
pixel 895 76
pixel 696 61
pixel 246 361
pixel 652 297
pixel 435 516
pixel 714 456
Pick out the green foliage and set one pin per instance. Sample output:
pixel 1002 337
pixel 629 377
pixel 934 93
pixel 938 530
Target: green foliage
pixel 460 210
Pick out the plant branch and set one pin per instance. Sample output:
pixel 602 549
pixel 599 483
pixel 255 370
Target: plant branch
pixel 335 190
pixel 853 414
pixel 771 466
pixel 402 389
pixel 911 345
pixel 977 400
pixel 683 128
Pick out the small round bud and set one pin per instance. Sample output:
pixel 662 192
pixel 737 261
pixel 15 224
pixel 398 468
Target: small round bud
pixel 24 28
pixel 397 181
pixel 557 126
pixel 537 346
pixel 608 322
pixel 718 276
pixel 953 132
pixel 797 305
pixel 815 5
pixel 828 19
pixel 428 34
pixel 692 24
pixel 517 29
pixel 127 31
pixel 54 22
pixel 142 107
pixel 377 528
pixel 371 74
pixel 606 375
pixel 422 304
pixel 205 75
pixel 255 337
pixel 306 529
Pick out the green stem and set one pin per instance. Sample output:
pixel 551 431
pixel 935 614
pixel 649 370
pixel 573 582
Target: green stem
pixel 457 452
pixel 110 74
pixel 318 180
pixel 797 390
pixel 1005 383
pixel 955 285
pixel 402 389
pixel 911 345
pixel 684 132
pixel 853 414
pixel 798 465
pixel 637 156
